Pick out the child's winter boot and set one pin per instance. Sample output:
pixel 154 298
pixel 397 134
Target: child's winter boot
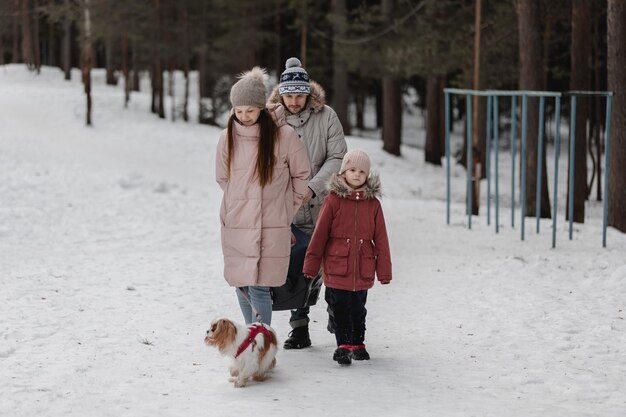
pixel 359 353
pixel 343 355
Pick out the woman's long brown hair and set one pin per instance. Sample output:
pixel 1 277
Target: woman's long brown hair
pixel 265 158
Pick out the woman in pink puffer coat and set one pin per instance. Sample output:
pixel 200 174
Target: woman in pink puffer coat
pixel 263 169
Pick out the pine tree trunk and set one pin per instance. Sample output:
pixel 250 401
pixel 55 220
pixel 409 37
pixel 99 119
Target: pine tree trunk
pixel 434 147
pixel 171 91
pixel 186 100
pixel 579 80
pixel 160 91
pixel 153 84
pixel 481 140
pixel 278 60
pixel 185 58
pixel 340 71
pixel 531 78
pixel 52 53
pixel 598 109
pixel 110 65
pixel 303 36
pixel 616 62
pixel 87 60
pixel 126 70
pixel 477 115
pixel 35 38
pixel 202 68
pixel 157 87
pixel 391 102
pixel 67 42
pixel 379 105
pixel 392 115
pixel 16 56
pixel 159 61
pixel 27 44
pixel 359 104
pixel 135 70
pixel 202 83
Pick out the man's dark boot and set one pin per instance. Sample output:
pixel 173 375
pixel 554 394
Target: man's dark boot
pixel 298 338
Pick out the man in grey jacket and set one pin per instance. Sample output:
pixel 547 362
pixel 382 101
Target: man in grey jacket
pixel 322 134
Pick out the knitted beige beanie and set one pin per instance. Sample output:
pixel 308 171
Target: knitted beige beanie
pixel 250 89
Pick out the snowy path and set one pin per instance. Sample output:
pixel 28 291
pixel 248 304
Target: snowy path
pixel 111 271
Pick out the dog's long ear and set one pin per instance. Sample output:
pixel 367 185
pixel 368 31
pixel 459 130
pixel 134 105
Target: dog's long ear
pixel 225 334
pixel 231 331
pixel 222 325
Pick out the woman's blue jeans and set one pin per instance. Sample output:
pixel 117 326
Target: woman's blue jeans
pixel 262 301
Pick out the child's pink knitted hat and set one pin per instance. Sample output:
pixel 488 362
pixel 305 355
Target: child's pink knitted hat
pixel 355 158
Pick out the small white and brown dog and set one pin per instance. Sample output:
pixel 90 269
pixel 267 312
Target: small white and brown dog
pixel 252 348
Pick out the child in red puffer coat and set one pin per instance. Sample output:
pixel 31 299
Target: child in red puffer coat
pixel 350 239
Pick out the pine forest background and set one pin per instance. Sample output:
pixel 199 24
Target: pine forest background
pixel 360 52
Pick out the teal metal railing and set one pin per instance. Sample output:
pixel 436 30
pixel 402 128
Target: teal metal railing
pixel 493 118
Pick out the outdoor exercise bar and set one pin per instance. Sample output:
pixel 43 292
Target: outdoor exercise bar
pixel 493 123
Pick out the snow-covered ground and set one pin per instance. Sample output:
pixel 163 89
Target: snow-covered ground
pixel 111 270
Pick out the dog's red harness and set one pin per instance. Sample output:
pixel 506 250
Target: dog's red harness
pixel 255 329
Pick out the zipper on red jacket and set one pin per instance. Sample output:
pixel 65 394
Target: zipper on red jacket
pixel 356 249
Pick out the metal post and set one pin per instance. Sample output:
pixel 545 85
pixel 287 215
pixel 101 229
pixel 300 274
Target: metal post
pixel 542 106
pixel 524 138
pixel 570 191
pixel 607 137
pixel 513 144
pixel 496 137
pixel 488 159
pixel 447 121
pixel 470 142
pixel 557 151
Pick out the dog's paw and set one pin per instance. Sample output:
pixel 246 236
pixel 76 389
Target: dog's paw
pixel 259 377
pixel 240 383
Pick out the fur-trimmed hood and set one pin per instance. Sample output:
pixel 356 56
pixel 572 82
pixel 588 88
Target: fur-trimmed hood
pixel 371 189
pixel 316 100
pixel 350 238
